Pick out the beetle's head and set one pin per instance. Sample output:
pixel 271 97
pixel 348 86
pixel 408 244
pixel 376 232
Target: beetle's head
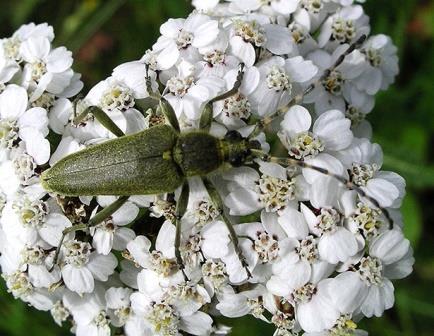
pixel 241 148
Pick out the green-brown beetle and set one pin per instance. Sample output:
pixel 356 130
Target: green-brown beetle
pixel 162 158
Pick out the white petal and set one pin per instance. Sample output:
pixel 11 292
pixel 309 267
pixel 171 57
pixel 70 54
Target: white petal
pixel 122 237
pixel 297 120
pixel 59 60
pixel 168 56
pixel 126 214
pixel 243 50
pixel 318 314
pixel 102 241
pixel 197 324
pixel 383 191
pixel 300 71
pixel 216 240
pixel 135 121
pixel 390 247
pixel 139 249
pixel 172 27
pixel 102 266
pixel 13 102
pixel 334 130
pixel 348 292
pixel 35 118
pixel 294 224
pixel 59 115
pixel 233 305
pixel 205 34
pixel 242 202
pixel 36 145
pixel 35 49
pixel 325 161
pixel 54 224
pixel 78 280
pixel 379 299
pixel 166 240
pixel 59 81
pixel 324 192
pixel 337 246
pixel 279 40
pixel 278 286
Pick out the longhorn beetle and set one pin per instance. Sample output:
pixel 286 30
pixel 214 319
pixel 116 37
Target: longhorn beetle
pixel 162 158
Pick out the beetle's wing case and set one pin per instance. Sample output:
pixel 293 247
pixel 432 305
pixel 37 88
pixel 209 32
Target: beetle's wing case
pixel 138 164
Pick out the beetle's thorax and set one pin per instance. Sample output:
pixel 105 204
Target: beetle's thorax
pixel 199 153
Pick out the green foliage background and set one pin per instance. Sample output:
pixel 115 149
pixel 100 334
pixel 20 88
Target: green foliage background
pixel 105 33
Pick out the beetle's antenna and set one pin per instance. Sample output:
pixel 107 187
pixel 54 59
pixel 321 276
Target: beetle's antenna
pixel 235 88
pixel 75 103
pixel 347 183
pixel 153 94
pixel 181 208
pixel 299 98
pixel 206 116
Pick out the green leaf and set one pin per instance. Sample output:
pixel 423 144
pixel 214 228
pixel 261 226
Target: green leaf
pixel 413 222
pixel 416 174
pixel 22 10
pixel 79 29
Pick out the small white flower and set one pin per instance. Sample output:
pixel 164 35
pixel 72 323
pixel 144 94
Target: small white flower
pixel 336 243
pixel 249 191
pixel 110 234
pixel 118 300
pixel 82 266
pixel 46 69
pixel 30 220
pixel 89 314
pixel 329 134
pixel 19 123
pixel 186 93
pixel 280 81
pixel 346 26
pixel 180 37
pixel 369 287
pixel 250 34
pixel 383 64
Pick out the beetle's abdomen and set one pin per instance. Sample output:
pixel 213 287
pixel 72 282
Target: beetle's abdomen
pixel 137 164
pixel 198 153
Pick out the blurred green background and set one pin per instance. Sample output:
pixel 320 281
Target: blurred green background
pixel 105 33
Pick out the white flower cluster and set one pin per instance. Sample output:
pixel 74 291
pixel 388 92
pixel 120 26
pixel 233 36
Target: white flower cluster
pixel 319 256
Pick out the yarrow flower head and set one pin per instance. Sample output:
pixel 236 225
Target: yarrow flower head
pixel 276 238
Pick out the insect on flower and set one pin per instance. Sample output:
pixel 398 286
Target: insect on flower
pixel 162 158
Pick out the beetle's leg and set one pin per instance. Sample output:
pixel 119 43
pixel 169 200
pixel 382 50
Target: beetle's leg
pixel 261 124
pixel 101 116
pixel 167 110
pixel 164 106
pixel 235 88
pixel 207 113
pixel 347 183
pixel 152 94
pixel 218 203
pixel 181 208
pixel 95 220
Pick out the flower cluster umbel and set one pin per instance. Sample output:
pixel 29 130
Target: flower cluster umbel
pixel 319 256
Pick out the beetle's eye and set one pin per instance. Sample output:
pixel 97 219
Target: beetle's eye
pixel 233 136
pixel 255 144
pixel 236 161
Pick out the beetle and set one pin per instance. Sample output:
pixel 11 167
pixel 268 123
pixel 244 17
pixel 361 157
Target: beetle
pixel 161 159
